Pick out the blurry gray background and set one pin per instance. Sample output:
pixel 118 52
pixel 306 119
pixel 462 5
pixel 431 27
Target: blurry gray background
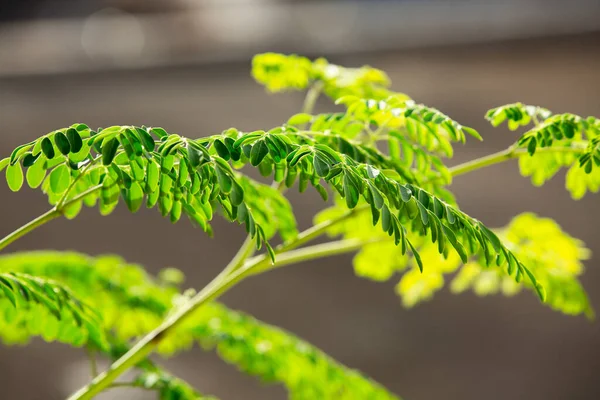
pixel 184 65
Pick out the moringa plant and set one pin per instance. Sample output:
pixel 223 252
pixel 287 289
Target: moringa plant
pixel 381 160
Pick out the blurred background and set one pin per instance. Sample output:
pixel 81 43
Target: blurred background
pixel 184 65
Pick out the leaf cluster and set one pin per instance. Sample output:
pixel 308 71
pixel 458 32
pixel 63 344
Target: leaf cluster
pixel 555 142
pixel 130 303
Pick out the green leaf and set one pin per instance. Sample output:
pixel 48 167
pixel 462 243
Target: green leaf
pixel 109 150
pixel 225 181
pixel 29 159
pixel 152 175
pixel 194 155
pixel 74 140
pixel 258 153
pixel 19 151
pixel 4 162
pixel 351 193
pixel 146 138
pixel 48 148
pixel 35 175
pixel 531 146
pixel 222 150
pixel 14 177
pixel 299 119
pixel 237 194
pixel 321 165
pixel 62 143
pixel 134 197
pixel 60 178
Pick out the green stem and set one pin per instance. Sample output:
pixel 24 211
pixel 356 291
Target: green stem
pixel 311 97
pixel 93 364
pixel 505 155
pixel 259 264
pixel 245 251
pixel 48 216
pixel 28 227
pixel 317 230
pixel 213 290
pixel 74 182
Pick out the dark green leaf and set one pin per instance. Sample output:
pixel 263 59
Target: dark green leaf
pixel 237 194
pixel 74 140
pixel 48 148
pixel 258 153
pixel 146 139
pixel 222 150
pixel 30 159
pixel 62 143
pixel 321 165
pixel 109 150
pixel 351 193
pixel 225 181
pixel 531 146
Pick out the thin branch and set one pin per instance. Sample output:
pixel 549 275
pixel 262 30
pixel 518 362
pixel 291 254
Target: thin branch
pixel 255 266
pixel 93 364
pixel 311 97
pixel 505 155
pixel 48 216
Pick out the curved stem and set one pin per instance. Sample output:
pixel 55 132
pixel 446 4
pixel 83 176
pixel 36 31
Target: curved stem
pixel 228 278
pixel 259 264
pixel 48 216
pixel 30 226
pixel 245 251
pixel 62 200
pixel 311 97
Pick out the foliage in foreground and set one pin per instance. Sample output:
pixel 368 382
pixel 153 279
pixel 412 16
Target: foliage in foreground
pixel 380 156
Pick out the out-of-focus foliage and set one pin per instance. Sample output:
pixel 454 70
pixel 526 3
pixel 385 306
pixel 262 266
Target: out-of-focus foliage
pixel 553 256
pixel 280 72
pixel 129 304
pixel 382 156
pixel 30 305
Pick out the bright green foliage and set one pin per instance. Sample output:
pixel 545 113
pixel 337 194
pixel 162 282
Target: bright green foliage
pixel 570 142
pixel 36 306
pixel 130 304
pixel 355 171
pixel 381 156
pixel 279 72
pixel 552 255
pixel 277 356
pixel 168 386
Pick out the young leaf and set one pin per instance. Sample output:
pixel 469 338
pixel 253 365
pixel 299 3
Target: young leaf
pixel 62 143
pixel 14 177
pixel 48 148
pixel 74 140
pixel 109 150
pixel 60 178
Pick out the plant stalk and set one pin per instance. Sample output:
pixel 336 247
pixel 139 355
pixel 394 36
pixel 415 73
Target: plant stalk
pixel 213 290
pixel 311 97
pixel 48 216
pixel 505 155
